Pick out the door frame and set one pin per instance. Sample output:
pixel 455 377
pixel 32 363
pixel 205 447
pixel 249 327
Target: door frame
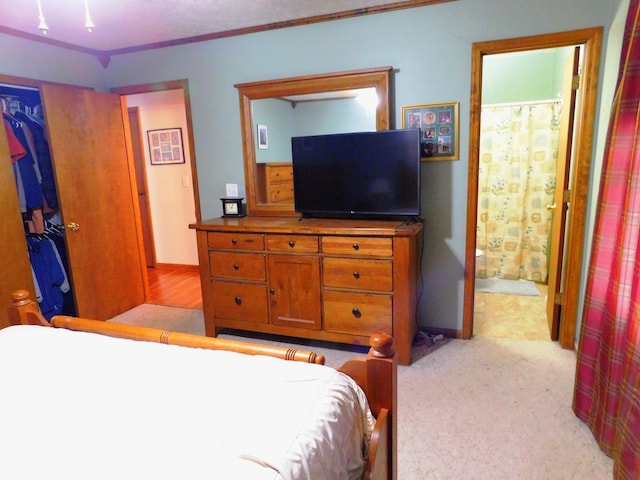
pixel 146 223
pixel 173 85
pixel 590 40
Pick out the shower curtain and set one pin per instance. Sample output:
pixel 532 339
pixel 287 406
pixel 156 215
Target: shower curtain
pixel 516 182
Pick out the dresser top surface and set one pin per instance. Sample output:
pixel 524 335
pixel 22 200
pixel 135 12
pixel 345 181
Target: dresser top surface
pixel 310 226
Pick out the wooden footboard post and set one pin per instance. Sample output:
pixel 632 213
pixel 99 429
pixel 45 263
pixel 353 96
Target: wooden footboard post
pixel 382 371
pixel 24 311
pixel 377 375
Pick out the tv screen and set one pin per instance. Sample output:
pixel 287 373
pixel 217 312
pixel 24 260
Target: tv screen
pixel 363 174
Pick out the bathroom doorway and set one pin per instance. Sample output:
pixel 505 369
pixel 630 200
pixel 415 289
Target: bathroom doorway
pixel 573 188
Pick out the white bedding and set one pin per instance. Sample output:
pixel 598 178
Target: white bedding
pixel 85 406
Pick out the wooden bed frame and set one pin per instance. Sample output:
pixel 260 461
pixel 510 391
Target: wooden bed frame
pixel 376 374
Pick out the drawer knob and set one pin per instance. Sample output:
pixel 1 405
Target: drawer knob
pixel 356 312
pixel 356 246
pixel 234 241
pixel 272 291
pixel 238 300
pixel 292 243
pixel 356 275
pixel 236 266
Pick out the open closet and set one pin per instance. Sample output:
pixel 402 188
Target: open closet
pixel 90 206
pixel 38 199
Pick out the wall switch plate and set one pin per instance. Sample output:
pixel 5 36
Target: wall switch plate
pixel 232 189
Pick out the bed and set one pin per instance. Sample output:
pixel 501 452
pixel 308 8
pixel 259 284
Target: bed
pixel 89 399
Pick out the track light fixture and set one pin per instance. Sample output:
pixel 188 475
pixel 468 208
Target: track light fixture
pixel 88 23
pixel 42 24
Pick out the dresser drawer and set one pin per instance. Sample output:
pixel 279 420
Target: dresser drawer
pixel 358 274
pixel 280 192
pixel 357 313
pixel 292 243
pixel 245 266
pixel 279 173
pixel 240 301
pixel 236 241
pixel 358 246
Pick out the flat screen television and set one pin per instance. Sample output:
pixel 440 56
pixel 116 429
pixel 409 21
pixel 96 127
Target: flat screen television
pixel 357 175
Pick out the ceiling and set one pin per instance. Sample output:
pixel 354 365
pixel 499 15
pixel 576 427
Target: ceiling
pixel 130 25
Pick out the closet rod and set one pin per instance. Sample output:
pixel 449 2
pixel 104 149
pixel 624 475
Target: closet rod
pixel 513 104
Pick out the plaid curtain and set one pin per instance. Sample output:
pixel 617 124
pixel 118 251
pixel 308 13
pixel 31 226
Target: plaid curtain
pixel 607 387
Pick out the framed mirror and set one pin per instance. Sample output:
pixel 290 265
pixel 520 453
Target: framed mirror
pixel 273 111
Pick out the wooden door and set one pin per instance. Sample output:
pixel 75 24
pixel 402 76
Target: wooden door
pixel 15 269
pixel 560 205
pixel 90 145
pixel 294 291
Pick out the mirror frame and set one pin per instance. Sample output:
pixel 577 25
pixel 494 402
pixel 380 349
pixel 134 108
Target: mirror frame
pixel 328 82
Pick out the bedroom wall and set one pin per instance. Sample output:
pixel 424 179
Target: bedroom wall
pixel 430 50
pixel 523 76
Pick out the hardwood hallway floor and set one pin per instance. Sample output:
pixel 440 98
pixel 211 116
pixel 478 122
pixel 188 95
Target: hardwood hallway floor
pixel 175 286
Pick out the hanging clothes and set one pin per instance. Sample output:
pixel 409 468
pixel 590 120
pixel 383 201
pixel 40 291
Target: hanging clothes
pixel 49 275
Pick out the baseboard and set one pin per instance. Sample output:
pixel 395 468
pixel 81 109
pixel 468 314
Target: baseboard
pixel 177 266
pixel 446 332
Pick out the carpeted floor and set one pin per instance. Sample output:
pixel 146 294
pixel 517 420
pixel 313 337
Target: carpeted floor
pixel 487 408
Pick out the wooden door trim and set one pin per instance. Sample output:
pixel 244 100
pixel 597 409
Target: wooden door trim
pixel 146 222
pixel 174 85
pixel 591 40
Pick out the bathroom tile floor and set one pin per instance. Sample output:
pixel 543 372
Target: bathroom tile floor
pixel 511 316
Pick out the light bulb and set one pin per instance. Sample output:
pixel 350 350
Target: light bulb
pixel 42 26
pixel 88 24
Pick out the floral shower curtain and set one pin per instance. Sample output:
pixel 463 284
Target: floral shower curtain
pixel 516 182
pixel 607 387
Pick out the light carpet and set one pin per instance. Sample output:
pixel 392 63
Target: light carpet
pixel 506 287
pixel 486 408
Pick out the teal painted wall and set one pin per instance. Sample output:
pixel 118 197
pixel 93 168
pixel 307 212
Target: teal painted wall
pixel 523 77
pixel 429 49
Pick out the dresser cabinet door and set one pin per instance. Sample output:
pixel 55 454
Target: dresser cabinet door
pixel 294 291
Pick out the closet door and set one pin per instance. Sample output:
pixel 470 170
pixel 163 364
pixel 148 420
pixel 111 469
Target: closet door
pixel 15 269
pixel 87 137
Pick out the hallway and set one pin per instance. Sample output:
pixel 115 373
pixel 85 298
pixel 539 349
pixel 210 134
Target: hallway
pixel 175 286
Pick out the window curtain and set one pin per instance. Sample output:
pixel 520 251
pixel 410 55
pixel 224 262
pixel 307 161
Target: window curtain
pixel 607 387
pixel 517 179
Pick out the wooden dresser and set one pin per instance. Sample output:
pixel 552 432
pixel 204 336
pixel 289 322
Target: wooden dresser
pixel 276 180
pixel 332 280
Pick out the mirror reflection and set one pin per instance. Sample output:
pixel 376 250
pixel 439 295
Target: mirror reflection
pixel 273 111
pixel 282 118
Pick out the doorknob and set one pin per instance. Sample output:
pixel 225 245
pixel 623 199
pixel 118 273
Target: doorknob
pixel 551 207
pixel 73 226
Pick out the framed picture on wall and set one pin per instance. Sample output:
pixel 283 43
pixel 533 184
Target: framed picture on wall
pixel 165 146
pixel 438 124
pixel 263 137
